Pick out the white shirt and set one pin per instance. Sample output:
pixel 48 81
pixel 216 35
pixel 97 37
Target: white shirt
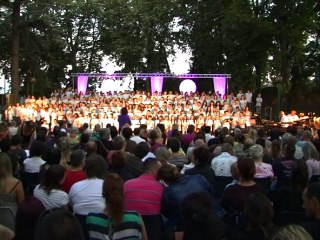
pixel 86 196
pixel 222 164
pixel 186 167
pixel 56 199
pixel 149 155
pixel 249 97
pixel 32 165
pixel 259 101
pixel 208 136
pixel 137 139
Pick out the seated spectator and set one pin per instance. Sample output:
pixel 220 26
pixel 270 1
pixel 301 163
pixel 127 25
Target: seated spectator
pixel 91 148
pixel 52 157
pixel 89 197
pixel 311 203
pixel 313 160
pixel 263 170
pixel 86 196
pixel 11 189
pixel 235 196
pixel 114 222
pixel 136 136
pixel 104 144
pixel 292 232
pixel 84 138
pixel 143 151
pixel 289 196
pixel 49 190
pixel 130 144
pixel 118 163
pixel 276 150
pixel 33 163
pixel 179 186
pixel 144 194
pixel 58 224
pixel 16 153
pixel 75 173
pixel 235 174
pixel 177 158
pixel 202 165
pixel 31 208
pixel 73 137
pixel 259 214
pixel 155 139
pixel 134 164
pixel 207 133
pixel 221 164
pixel 283 168
pixel 189 136
pixel 198 219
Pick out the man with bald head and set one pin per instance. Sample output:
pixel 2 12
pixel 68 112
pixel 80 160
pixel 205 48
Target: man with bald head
pixel 222 163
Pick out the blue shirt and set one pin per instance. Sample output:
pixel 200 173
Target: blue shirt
pixel 175 193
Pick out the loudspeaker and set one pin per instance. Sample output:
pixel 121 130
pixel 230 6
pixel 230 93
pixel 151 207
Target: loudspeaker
pixel 3 99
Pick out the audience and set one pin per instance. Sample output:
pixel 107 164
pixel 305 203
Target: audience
pixel 114 222
pixel 170 132
pixel 75 173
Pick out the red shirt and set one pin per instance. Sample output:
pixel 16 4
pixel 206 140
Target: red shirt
pixel 71 178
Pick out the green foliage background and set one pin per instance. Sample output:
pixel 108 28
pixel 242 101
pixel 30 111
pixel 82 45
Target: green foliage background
pixel 257 41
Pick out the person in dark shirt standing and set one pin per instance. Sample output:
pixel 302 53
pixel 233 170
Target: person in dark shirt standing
pixel 123 118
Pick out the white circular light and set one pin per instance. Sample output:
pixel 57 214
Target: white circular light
pixel 188 86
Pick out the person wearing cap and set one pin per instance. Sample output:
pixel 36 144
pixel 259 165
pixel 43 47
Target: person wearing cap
pixel 75 173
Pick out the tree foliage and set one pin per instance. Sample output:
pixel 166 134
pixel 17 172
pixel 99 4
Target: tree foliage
pixel 257 41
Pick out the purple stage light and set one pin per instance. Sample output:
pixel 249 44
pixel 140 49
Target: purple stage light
pixel 156 84
pixel 82 84
pixel 220 85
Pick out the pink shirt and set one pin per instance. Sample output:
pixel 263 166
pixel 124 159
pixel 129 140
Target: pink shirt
pixel 144 195
pixel 264 170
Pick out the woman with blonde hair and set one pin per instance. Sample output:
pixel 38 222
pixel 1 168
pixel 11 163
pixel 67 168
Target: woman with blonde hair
pixel 11 189
pixel 64 146
pixel 115 223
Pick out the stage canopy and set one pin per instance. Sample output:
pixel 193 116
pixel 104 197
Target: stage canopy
pixel 125 81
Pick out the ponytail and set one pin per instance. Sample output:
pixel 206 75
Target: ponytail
pixel 113 193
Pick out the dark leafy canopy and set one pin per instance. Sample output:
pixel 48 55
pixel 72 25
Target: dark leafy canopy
pixel 257 41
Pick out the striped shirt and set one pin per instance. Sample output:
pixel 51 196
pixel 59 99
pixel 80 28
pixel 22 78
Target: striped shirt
pixel 143 195
pixel 56 199
pixel 98 227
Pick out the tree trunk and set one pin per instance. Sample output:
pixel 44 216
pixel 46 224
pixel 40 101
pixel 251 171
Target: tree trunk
pixel 15 48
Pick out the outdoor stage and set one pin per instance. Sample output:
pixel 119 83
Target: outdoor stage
pixel 125 81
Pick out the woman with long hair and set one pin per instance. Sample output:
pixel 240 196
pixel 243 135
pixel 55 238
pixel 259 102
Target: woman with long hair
pixel 49 190
pixel 115 223
pixel 11 189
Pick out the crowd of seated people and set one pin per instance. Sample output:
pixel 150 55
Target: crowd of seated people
pixel 156 182
pixel 167 108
